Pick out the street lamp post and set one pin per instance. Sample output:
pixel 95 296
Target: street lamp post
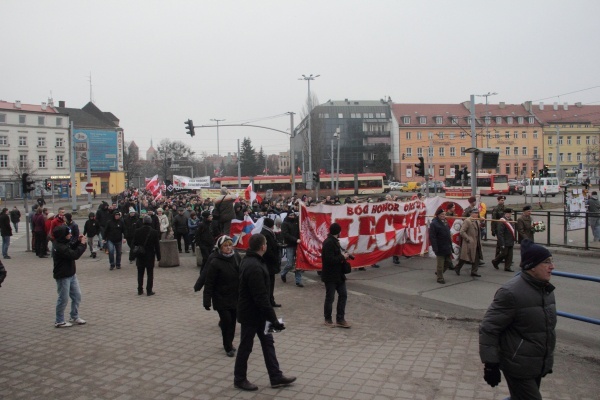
pixel 218 148
pixel 485 117
pixel 338 135
pixel 309 78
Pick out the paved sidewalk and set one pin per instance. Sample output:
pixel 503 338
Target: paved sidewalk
pixel 168 347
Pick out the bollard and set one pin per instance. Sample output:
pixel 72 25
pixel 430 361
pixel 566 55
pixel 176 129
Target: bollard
pixel 169 254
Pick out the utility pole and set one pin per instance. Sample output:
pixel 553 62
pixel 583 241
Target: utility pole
pixel 309 78
pixel 218 148
pixel 474 145
pixel 292 155
pixel 558 174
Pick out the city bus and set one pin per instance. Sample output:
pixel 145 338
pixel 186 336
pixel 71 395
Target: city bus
pixel 487 184
pixel 350 184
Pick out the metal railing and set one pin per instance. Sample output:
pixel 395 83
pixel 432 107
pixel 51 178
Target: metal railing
pixel 576 316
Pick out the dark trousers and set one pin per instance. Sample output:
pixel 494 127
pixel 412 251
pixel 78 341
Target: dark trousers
pixel 330 289
pixel 505 254
pixel 228 321
pixel 272 288
pixel 245 348
pixel 178 237
pixel 205 251
pixel 524 389
pixel 149 281
pixel 40 243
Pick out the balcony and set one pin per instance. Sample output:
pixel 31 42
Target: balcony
pixel 378 133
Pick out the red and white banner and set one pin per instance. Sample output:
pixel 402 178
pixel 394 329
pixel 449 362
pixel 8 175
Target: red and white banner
pixel 250 194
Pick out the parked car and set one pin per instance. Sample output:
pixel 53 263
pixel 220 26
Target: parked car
pixel 395 185
pixel 434 186
pixel 515 187
pixel 411 187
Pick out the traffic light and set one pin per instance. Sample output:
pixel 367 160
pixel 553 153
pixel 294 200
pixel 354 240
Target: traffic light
pixel 457 173
pixel 546 170
pixel 465 173
pixel 316 177
pixel 541 173
pixel 190 128
pixel 47 184
pixel 28 185
pixel 403 156
pixel 532 174
pixel 420 167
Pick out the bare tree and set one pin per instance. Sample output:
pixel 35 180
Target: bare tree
pixel 131 163
pixel 170 152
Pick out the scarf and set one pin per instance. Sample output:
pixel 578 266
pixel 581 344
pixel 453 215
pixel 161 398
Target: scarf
pixel 509 226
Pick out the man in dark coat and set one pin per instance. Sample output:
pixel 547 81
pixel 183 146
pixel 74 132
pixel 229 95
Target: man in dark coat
pixel 148 238
pixel 102 216
pixel 333 277
pixel 441 243
pixel 180 229
pixel 130 222
pixel 524 225
pixel 5 231
pixel 204 238
pixel 290 231
pixel 64 254
pixel 272 256
pixel 506 239
pixel 15 218
pixel 113 238
pixel 517 334
pixel 254 310
pixel 497 213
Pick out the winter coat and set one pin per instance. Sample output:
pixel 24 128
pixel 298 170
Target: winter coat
pixel 497 213
pixel 163 221
pixel 180 224
pixel 518 329
pixel 332 260
pixel 204 236
pixel 91 228
pixel 222 282
pixel 524 228
pixel 471 245
pixel 129 222
pixel 115 230
pixel 64 255
pixel 440 237
pixel 254 302
pixel 39 223
pixel 224 207
pixel 290 230
pixel 5 229
pixel 147 237
pixel 15 215
pixel 505 235
pixel 193 226
pixel 102 215
pixel 272 256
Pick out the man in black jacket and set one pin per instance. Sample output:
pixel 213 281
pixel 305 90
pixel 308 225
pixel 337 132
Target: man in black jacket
pixel 5 231
pixel 441 243
pixel 333 277
pixel 506 234
pixel 204 238
pixel 148 238
pixel 290 230
pixel 272 256
pixel 254 310
pixel 64 254
pixel 113 238
pixel 180 229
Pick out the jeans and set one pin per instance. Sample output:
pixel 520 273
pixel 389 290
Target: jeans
pixel 290 254
pixel 112 246
pixel 330 289
pixel 594 223
pixel 245 348
pixel 67 287
pixel 16 225
pixel 5 244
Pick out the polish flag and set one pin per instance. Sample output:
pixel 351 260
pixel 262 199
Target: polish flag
pixel 250 194
pixel 152 183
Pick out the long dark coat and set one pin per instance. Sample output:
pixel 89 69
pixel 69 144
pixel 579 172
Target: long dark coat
pixel 222 282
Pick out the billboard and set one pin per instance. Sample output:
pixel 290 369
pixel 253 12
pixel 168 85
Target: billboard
pixel 102 149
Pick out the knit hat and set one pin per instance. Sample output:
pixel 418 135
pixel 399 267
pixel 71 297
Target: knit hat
pixel 222 240
pixel 269 223
pixel 472 199
pixel 131 210
pixel 205 214
pixel 143 212
pixel 439 211
pixel 335 229
pixel 160 210
pixel 532 254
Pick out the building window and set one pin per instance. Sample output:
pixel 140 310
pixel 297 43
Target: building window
pixel 354 115
pixel 419 152
pixel 423 120
pixel 408 136
pixel 3 140
pixel 430 135
pixel 587 140
pixel 42 161
pixel 22 140
pixel 452 151
pixel 438 120
pixel 497 135
pixel 509 120
pixel 2 118
pixel 520 120
pixel 516 169
pixel 406 120
pixel 3 160
pixel 442 151
pixel 59 121
pixel 462 151
pixel 560 140
pixel 531 120
pixel 488 120
pixel 507 151
pixel 516 135
pixel 549 140
pixel 523 135
pixel 323 115
pixel 488 135
pixel 469 120
pixel 23 161
pixel 441 135
pixel 22 119
pixel 535 152
pixel 340 115
pixel 409 152
pixel 507 135
pixel 507 167
pixel 59 162
pixel 578 156
pixel 59 142
pixel 454 120
pixel 41 120
pixel 498 120
pixel 442 171
pixel 568 139
pixel 463 135
pixel 569 157
pixel 419 136
pixel 516 151
pixel 524 151
pixel 430 152
pixel 578 140
pixel 451 135
pixel 535 134
pixel 550 157
pixel 41 141
pixel 561 157
pixel 524 169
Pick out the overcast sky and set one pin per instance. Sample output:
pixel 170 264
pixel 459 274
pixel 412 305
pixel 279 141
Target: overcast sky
pixel 154 64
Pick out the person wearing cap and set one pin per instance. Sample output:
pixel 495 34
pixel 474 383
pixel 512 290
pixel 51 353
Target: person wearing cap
pixel 204 238
pixel 253 311
pixel 441 243
pixel 497 213
pixel 64 254
pixel 290 230
pixel 524 225
pixel 113 238
pixel 517 334
pixel 131 222
pixel 272 256
pixel 221 288
pixel 506 235
pixel 148 238
pixel 594 215
pixel 470 250
pixel 332 275
pixel 472 205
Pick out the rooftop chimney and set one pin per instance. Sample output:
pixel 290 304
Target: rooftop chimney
pixel 541 105
pixel 61 103
pixel 44 106
pixel 555 106
pixel 502 105
pixel 566 106
pixel 18 104
pixel 578 104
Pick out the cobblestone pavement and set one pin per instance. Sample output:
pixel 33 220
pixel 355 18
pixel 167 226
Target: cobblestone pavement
pixel 168 347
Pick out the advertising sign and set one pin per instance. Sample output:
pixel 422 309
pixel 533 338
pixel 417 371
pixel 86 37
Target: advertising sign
pixel 99 148
pixel 184 182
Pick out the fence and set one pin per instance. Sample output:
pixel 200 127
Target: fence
pixel 575 316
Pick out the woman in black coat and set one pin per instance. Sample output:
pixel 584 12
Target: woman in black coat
pixel 149 239
pixel 222 287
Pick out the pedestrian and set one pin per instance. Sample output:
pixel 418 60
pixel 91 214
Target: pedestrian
pixel 72 226
pixel 40 201
pixel 253 312
pixel 332 275
pixel 31 214
pixel 472 204
pixel 524 225
pixel 470 250
pixel 147 238
pixel 102 216
pixel 130 222
pixel 223 212
pixel 5 231
pixel 517 335
pixel 113 239
pixel 204 238
pixel 441 243
pixel 91 228
pixel 193 222
pixel 2 273
pixel 64 254
pixel 39 230
pixel 180 229
pixel 506 237
pixel 163 221
pixel 497 213
pixel 594 215
pixel 272 256
pixel 15 218
pixel 221 289
pixel 290 230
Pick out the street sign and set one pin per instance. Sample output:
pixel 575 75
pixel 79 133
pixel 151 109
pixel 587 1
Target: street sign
pixel 89 187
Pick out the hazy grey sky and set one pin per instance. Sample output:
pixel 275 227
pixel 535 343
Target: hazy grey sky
pixel 154 64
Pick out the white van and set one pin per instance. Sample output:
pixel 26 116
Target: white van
pixel 542 187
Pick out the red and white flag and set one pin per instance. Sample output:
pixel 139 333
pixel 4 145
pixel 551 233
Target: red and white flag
pixel 152 183
pixel 250 194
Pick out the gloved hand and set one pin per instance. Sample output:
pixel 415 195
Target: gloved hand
pixel 278 326
pixel 491 374
pixel 207 308
pixel 493 233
